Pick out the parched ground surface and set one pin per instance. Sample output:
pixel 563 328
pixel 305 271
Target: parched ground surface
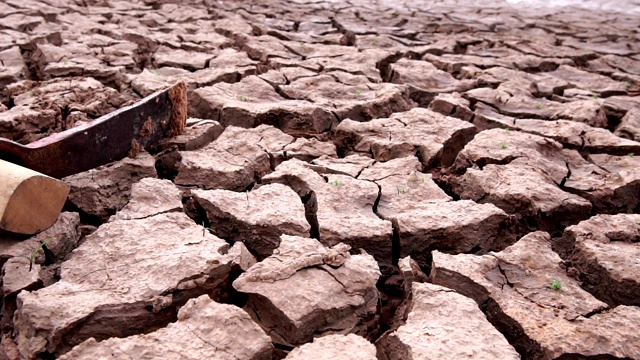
pixel 358 180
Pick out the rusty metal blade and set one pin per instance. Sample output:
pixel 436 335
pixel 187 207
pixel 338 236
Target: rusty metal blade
pixel 111 137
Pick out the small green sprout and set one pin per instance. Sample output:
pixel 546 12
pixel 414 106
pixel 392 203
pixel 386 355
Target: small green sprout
pixel 631 154
pixel 374 42
pixel 302 42
pixel 538 106
pixel 358 92
pixel 336 182
pixel 34 253
pixel 503 145
pixel 244 98
pixel 555 285
pixel 401 189
pixel 595 96
pixel 204 229
pixel 507 130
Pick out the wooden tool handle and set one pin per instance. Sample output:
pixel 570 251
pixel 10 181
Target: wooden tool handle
pixel 29 201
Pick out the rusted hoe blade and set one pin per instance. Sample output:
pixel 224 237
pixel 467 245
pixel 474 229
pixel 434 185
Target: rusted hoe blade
pixel 109 138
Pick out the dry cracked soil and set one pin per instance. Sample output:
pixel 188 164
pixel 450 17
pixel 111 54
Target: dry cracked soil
pixel 386 180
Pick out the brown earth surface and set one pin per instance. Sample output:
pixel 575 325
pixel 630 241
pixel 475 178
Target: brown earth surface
pixel 358 179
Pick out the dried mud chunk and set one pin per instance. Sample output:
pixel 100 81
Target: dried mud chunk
pixel 443 324
pixel 150 197
pixel 204 329
pixel 403 188
pixel 436 139
pixel 366 63
pixel 75 59
pixel 589 112
pixel 257 218
pixel 604 251
pixel 179 58
pixel 629 127
pixel 13 68
pixel 425 80
pixel 452 105
pixel 571 134
pixel 496 146
pixel 306 150
pixel 339 208
pixel 523 190
pixel 252 102
pixel 598 84
pixel 611 183
pixel 350 165
pixel 619 105
pixel 19 274
pixel 548 50
pixel 354 97
pixel 112 286
pixel 452 226
pixel 265 47
pixel 150 81
pixel 302 291
pixel 62 237
pixel 544 313
pixel 346 347
pixel 232 162
pixel 20 22
pixel 103 191
pixel 228 66
pixel 198 134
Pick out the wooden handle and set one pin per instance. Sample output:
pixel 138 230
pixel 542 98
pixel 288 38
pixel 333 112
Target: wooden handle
pixel 29 201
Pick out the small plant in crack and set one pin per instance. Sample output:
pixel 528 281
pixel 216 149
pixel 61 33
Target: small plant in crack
pixel 302 42
pixel 555 285
pixel 538 106
pixel 401 189
pixel 358 92
pixel 204 229
pixel 507 130
pixel 34 253
pixel 244 98
pixel 595 96
pixel 374 42
pixel 503 145
pixel 336 182
pixel 631 154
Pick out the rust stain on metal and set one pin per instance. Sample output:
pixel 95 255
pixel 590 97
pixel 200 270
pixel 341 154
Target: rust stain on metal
pixel 135 149
pixel 147 128
pixel 178 98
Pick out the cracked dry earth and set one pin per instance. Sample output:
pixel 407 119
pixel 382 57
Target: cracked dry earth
pixel 358 180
